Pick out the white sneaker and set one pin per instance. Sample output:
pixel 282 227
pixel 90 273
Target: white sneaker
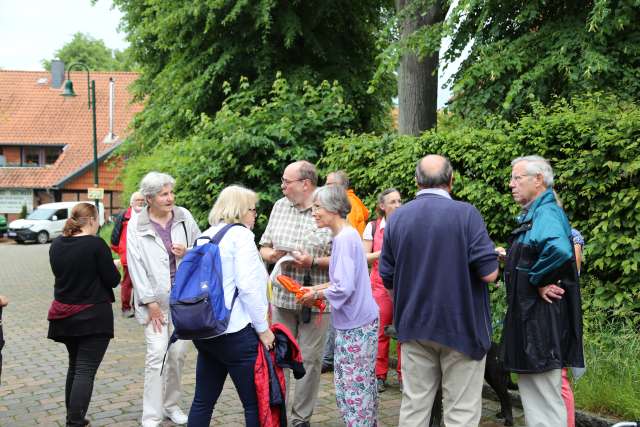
pixel 177 416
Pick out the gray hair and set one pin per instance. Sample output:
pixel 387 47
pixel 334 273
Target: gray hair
pixel 307 170
pixel 334 199
pixel 154 182
pixel 537 165
pixel 342 177
pixel 437 180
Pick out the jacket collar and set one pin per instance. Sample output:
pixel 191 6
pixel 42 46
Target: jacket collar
pixel 545 198
pixel 144 223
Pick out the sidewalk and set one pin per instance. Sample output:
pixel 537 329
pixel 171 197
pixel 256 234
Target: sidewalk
pixel 32 390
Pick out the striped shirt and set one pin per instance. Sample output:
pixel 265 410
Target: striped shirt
pixel 290 228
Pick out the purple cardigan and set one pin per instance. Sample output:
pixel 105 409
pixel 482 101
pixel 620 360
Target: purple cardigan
pixel 352 303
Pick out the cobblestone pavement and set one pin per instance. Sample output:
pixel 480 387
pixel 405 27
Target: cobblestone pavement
pixel 32 390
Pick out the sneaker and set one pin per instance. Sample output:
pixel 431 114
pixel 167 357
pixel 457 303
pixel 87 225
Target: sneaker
pixel 128 313
pixel 177 416
pixel 382 386
pixel 326 368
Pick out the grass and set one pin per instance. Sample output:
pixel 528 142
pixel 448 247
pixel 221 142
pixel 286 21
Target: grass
pixel 612 383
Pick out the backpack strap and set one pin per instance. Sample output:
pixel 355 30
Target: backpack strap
pixel 220 234
pixel 374 230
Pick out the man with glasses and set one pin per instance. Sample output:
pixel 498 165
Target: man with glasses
pixel 119 246
pixel 292 230
pixel 543 326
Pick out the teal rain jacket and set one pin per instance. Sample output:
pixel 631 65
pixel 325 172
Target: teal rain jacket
pixel 538 336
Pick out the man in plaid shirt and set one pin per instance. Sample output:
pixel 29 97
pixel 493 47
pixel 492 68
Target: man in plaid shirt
pixel 292 229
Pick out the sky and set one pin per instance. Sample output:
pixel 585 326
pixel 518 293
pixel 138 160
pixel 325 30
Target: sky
pixel 32 30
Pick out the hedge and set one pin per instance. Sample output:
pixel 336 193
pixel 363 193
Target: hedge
pixel 593 146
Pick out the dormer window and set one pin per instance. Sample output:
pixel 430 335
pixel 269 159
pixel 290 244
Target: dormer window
pixel 29 155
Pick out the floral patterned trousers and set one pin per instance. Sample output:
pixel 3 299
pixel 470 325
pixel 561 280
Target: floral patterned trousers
pixel 354 374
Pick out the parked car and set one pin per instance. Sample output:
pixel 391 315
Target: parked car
pixel 44 223
pixel 3 225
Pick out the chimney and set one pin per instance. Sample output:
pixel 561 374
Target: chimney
pixel 57 73
pixel 111 137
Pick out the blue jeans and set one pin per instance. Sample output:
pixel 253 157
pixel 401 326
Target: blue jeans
pixel 234 354
pixel 85 356
pixel 329 346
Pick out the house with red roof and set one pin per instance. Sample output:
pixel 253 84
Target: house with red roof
pixel 46 140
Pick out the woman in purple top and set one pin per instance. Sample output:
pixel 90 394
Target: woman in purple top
pixel 354 312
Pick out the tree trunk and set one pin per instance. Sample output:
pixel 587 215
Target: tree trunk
pixel 418 78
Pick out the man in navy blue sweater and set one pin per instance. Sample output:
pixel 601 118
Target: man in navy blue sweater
pixel 437 259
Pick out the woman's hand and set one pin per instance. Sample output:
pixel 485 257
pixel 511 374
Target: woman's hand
pixel 178 249
pixel 267 338
pixel 309 297
pixel 3 301
pixel 156 316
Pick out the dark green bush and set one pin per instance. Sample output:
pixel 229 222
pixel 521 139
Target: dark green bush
pixel 592 144
pixel 248 142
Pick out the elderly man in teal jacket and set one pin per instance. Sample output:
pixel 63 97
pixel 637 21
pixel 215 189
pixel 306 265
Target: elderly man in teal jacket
pixel 543 325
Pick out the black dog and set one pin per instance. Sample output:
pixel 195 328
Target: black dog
pixel 494 375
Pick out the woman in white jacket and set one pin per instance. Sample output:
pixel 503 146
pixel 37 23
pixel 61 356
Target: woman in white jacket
pixel 157 240
pixel 235 351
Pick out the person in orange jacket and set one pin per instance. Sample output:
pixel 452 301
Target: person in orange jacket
pixel 359 214
pixel 357 217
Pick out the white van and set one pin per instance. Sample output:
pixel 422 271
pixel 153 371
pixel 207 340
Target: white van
pixel 45 222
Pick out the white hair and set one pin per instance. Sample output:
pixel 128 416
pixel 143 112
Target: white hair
pixel 537 165
pixel 154 182
pixel 133 197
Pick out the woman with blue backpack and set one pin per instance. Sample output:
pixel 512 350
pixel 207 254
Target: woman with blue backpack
pixel 244 281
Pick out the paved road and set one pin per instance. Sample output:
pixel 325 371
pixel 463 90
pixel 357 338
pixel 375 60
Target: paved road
pixel 32 390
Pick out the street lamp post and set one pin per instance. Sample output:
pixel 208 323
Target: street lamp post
pixel 91 94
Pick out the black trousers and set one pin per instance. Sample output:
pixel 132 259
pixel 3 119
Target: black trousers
pixel 85 356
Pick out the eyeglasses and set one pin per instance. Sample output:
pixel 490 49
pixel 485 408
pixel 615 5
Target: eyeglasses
pixel 286 181
pixel 518 178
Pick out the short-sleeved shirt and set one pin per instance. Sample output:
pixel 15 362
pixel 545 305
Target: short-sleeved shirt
pixel 368 230
pixel 290 228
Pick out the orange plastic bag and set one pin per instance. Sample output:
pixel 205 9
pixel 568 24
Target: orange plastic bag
pixel 295 288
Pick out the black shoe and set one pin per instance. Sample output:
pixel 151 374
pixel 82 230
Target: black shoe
pixel 326 368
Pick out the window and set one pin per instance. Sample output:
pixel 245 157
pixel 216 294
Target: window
pixel 51 154
pixel 61 214
pixel 32 156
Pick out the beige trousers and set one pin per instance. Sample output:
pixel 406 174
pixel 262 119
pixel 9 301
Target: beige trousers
pixel 542 399
pixel 424 365
pixel 311 339
pixel 161 392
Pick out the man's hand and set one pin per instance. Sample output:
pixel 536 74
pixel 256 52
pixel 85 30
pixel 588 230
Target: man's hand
pixel 3 301
pixel 550 292
pixel 302 259
pixel 178 249
pixel 271 255
pixel 156 317
pixel 501 253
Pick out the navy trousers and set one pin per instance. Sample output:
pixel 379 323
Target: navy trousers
pixel 233 354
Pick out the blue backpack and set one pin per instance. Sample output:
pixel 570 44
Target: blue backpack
pixel 196 301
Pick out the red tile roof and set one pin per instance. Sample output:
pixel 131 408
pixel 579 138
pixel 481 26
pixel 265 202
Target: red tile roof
pixel 33 113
